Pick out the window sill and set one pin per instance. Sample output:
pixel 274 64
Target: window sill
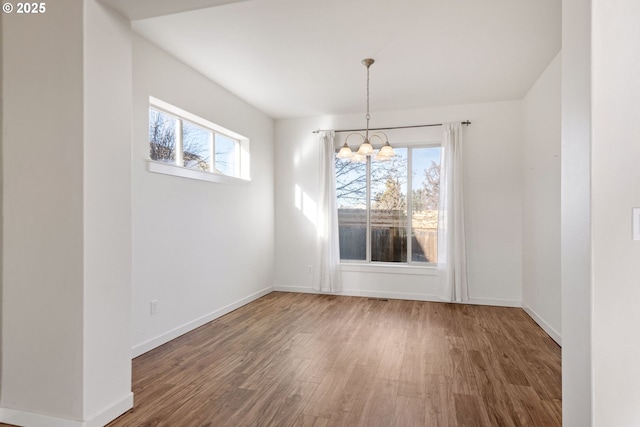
pixel 389 268
pixel 169 169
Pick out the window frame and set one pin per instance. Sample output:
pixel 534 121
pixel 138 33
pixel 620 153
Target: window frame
pixel 409 266
pixel 178 168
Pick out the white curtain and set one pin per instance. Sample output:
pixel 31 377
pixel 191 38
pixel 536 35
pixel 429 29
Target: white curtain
pixel 326 277
pixel 452 265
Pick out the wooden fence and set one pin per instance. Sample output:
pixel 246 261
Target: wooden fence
pixel 388 235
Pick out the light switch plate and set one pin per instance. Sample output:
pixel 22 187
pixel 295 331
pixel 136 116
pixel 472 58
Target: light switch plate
pixel 636 223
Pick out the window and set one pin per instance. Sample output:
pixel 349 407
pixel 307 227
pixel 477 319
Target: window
pixel 179 138
pixel 374 202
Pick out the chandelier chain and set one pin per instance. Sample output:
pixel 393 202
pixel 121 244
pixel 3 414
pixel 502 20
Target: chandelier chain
pixel 368 116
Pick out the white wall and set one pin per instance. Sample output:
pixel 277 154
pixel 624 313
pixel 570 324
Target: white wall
pixel 615 191
pixel 541 201
pixel 1 197
pixel 43 213
pixel 199 248
pixel 107 213
pixel 493 158
pixel 66 124
pixel 576 213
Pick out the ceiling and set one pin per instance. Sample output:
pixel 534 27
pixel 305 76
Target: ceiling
pixel 140 9
pixel 293 58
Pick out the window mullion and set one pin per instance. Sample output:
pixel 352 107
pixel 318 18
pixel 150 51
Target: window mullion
pixel 179 148
pixel 409 203
pixel 237 159
pixel 368 204
pixel 212 150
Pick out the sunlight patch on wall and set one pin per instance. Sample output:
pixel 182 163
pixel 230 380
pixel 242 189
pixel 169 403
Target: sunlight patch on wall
pixel 304 203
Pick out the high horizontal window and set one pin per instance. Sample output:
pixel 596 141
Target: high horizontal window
pixel 388 211
pixel 179 138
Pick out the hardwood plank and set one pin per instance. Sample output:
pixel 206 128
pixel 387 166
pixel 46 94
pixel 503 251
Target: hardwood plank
pixel 470 411
pixel 379 406
pixel 409 412
pixel 492 390
pixel 390 363
pixel 329 394
pixel 413 369
pixel 305 420
pixel 439 409
pixel 527 401
pixel 353 396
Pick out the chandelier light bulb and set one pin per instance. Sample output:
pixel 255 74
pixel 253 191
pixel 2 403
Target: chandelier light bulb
pixel 358 158
pixel 345 152
pixel 365 149
pixel 386 151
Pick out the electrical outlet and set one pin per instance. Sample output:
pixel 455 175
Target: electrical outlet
pixel 309 269
pixel 154 306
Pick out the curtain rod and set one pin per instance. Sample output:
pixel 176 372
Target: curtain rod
pixel 466 122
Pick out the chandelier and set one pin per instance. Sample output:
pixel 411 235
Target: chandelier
pixel 366 149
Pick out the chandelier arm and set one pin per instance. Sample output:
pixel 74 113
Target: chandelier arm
pixel 382 140
pixel 376 136
pixel 351 134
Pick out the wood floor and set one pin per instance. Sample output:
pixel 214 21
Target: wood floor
pixel 315 360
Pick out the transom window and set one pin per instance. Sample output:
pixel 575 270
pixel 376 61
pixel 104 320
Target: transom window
pixel 388 211
pixel 180 138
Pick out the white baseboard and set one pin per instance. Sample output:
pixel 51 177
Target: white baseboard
pixel 397 295
pixel 24 418
pixel 142 348
pixel 555 335
pixel 31 419
pixel 495 302
pixel 360 293
pixel 112 412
